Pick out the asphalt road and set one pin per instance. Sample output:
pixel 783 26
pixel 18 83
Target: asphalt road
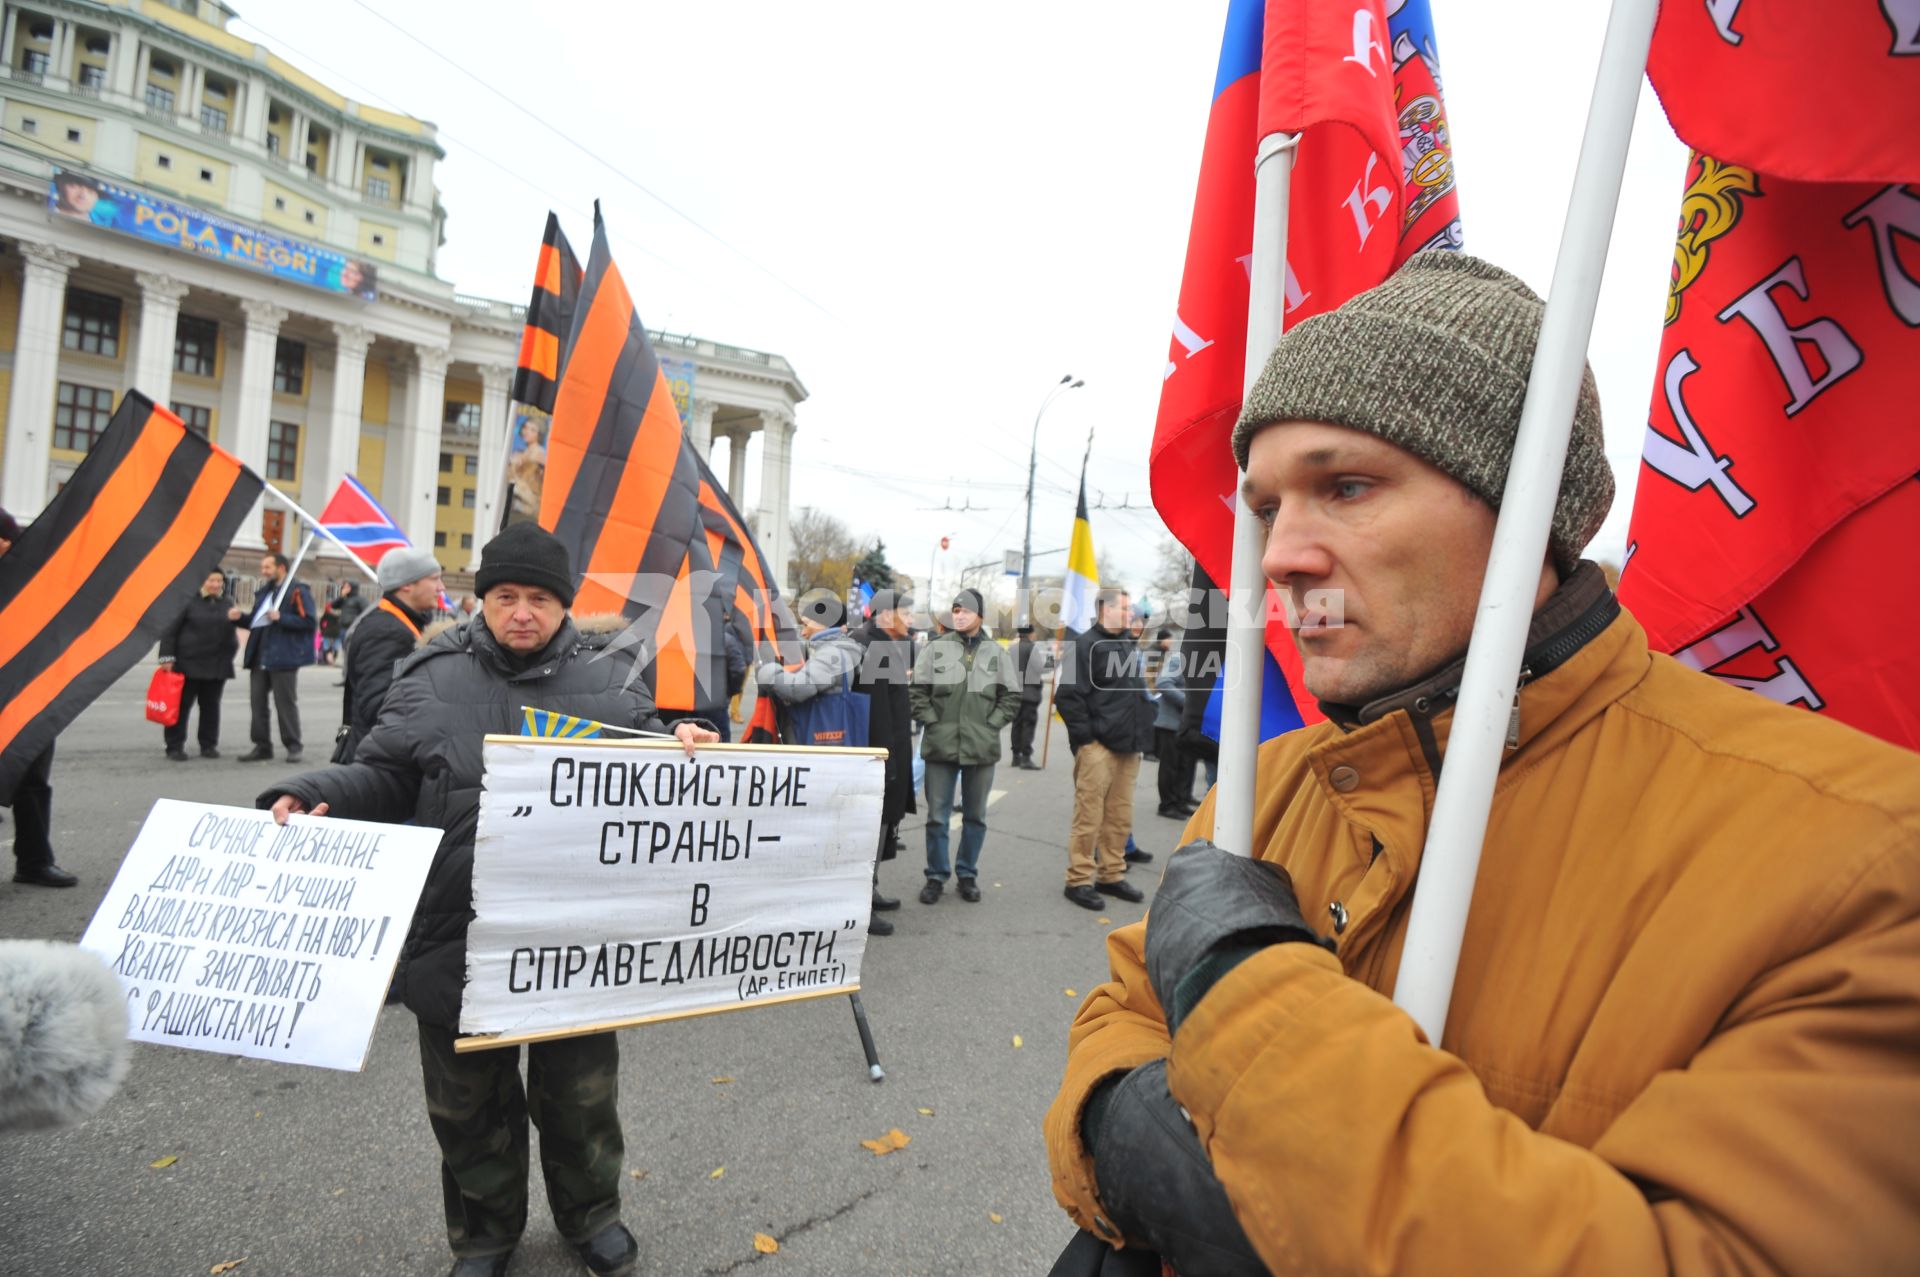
pixel 306 1171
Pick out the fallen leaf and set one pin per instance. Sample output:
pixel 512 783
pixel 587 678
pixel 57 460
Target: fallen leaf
pixel 718 1171
pixel 638 1174
pixel 227 1267
pixel 893 1139
pixel 899 1138
pixel 164 1162
pixel 1017 1043
pixel 258 1113
pixel 765 1244
pixel 1070 993
pixel 721 1081
pixel 994 1217
pixel 924 1112
pixel 336 1192
pixel 1106 922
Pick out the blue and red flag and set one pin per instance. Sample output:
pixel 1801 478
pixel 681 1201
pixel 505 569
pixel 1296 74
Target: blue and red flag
pixel 360 523
pixel 1372 185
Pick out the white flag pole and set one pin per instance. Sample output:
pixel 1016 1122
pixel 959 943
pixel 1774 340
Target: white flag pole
pixel 317 527
pixel 1475 745
pixel 1247 584
pixel 286 582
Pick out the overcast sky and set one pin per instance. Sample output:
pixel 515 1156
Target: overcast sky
pixel 935 211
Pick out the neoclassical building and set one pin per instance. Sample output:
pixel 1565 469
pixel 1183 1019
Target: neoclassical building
pixel 186 214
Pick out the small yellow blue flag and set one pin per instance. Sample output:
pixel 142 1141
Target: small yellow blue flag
pixel 546 722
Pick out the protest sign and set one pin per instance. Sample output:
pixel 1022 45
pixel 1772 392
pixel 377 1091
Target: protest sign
pixel 619 882
pixel 236 935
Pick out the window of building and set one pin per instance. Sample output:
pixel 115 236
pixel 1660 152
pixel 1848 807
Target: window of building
pixel 97 44
pixel 446 463
pixel 378 161
pixel 378 188
pixel 195 342
pixel 280 203
pixel 35 61
pixel 206 175
pixel 162 68
pixel 273 148
pixel 289 367
pixel 93 323
pixel 93 77
pixel 462 416
pixel 29 126
pixel 197 417
pixel 466 498
pixel 313 163
pixel 73 135
pixel 379 239
pixel 466 540
pixel 473 464
pixel 439 540
pixel 444 497
pixel 80 413
pixel 159 99
pixel 164 161
pixel 309 215
pixel 213 119
pixel 283 450
pixel 40 31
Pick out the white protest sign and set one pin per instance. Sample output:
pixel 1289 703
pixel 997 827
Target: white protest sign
pixel 617 882
pixel 236 935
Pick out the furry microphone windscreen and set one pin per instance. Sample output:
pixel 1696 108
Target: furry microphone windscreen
pixel 63 1034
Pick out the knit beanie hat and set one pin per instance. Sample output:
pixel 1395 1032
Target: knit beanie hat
pixel 970 600
pixel 405 564
pixel 823 608
pixel 525 554
pixel 1435 361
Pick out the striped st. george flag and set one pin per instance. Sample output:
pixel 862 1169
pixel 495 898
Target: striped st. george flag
pixel 543 342
pixel 651 533
pixel 93 583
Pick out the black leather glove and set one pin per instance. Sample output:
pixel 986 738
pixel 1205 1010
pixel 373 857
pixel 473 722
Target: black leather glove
pixel 1158 1186
pixel 1213 911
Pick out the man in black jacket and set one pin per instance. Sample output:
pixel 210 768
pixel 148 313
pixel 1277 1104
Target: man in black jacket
pixel 886 672
pixel 1102 700
pixel 33 796
pixel 409 585
pixel 423 762
pixel 200 648
pixel 1030 659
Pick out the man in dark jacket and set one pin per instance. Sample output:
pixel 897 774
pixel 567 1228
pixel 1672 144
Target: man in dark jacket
pixel 1175 780
pixel 33 796
pixel 886 674
pixel 422 761
pixel 409 584
pixel 1030 659
pixel 1101 698
pixel 200 648
pixel 964 691
pixel 279 643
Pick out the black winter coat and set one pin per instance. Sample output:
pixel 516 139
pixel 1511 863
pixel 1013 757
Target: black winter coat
pixel 1103 695
pixel 204 642
pixel 886 670
pixel 422 762
pixel 380 642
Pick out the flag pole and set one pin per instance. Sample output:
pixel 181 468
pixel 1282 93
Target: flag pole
pixel 316 526
pixel 1478 738
pixel 1246 631
pixel 286 582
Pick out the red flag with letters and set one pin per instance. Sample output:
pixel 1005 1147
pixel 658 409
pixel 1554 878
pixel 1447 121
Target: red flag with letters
pixel 1372 184
pixel 1777 510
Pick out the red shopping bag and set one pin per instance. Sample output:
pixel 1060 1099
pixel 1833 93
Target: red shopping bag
pixel 163 697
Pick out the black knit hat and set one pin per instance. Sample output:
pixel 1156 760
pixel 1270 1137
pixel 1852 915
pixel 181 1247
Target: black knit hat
pixel 970 600
pixel 526 554
pixel 9 527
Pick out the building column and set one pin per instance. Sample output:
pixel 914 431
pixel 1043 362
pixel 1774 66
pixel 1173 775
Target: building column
pixel 776 429
pixel 349 390
pixel 192 80
pixel 495 427
pixel 420 445
pixel 737 468
pixel 700 426
pixel 120 59
pixel 28 459
pixel 8 49
pixel 159 320
pixel 251 122
pixel 249 437
pixel 62 52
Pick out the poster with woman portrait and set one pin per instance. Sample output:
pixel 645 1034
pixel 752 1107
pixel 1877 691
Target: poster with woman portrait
pixel 527 464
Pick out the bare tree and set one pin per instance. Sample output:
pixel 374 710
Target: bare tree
pixel 1172 576
pixel 824 552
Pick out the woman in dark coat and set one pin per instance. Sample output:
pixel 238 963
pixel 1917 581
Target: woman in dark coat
pixel 201 647
pixel 885 671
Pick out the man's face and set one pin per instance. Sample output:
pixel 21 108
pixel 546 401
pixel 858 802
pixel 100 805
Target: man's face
pixel 270 567
pixel 420 595
pixel 523 618
pixel 1403 543
pixel 82 197
pixel 1113 616
pixel 966 620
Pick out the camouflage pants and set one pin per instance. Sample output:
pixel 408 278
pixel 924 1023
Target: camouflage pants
pixel 479 1112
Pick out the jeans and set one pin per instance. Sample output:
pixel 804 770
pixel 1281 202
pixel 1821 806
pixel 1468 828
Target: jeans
pixel 974 783
pixel 33 813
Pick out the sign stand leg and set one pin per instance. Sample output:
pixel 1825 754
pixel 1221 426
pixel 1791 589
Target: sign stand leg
pixel 874 1070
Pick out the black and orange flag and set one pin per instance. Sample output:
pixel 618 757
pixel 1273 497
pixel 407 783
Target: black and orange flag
pixel 543 342
pixel 653 536
pixel 107 568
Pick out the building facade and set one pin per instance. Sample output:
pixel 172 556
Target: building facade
pixel 186 214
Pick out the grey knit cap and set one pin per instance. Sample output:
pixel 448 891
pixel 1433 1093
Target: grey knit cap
pixel 405 564
pixel 1435 361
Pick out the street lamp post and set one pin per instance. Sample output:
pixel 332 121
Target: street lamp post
pixel 1033 459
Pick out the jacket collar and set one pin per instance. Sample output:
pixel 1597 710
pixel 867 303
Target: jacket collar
pixel 512 664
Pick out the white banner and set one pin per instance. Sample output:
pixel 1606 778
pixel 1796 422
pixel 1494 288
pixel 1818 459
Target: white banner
pixel 616 882
pixel 235 935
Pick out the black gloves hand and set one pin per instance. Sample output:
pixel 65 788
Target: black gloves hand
pixel 1212 912
pixel 1157 1184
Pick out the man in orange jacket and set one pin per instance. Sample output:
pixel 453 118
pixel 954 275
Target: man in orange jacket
pixel 1685 1033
